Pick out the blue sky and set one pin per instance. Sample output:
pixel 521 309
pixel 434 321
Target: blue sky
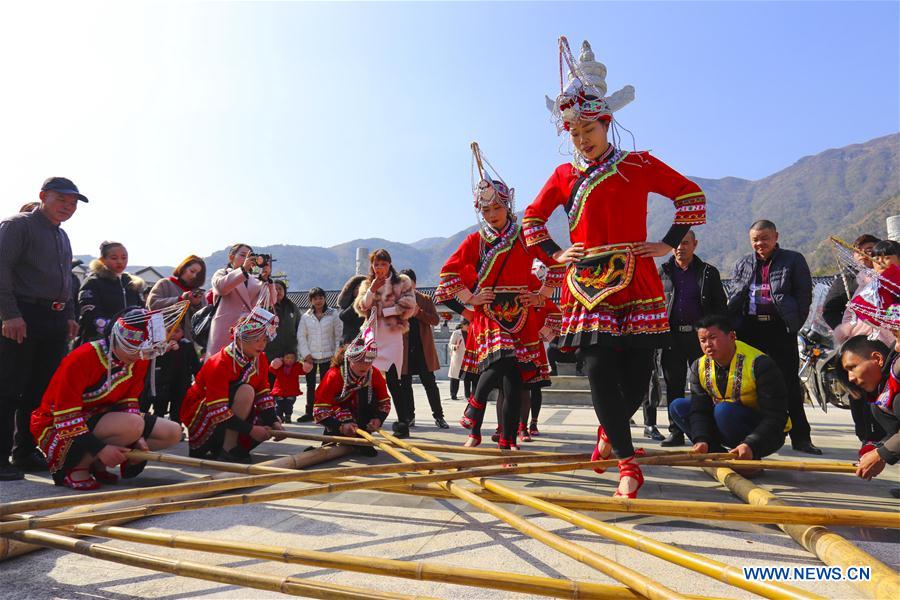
pixel 195 125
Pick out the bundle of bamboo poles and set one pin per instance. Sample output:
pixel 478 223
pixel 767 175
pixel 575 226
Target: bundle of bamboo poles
pixel 22 527
pixel 673 554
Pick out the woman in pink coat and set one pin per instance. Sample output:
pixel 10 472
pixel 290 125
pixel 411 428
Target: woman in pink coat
pixel 237 290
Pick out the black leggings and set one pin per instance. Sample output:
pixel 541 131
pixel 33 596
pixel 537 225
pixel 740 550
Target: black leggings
pixel 503 374
pixel 531 404
pixel 619 378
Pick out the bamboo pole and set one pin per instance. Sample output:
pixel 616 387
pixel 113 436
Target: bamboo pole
pixel 689 560
pixel 293 476
pixel 418 570
pixel 224 575
pixel 11 548
pixel 355 441
pixel 777 465
pixel 639 583
pixel 830 548
pixel 692 509
pixel 18 522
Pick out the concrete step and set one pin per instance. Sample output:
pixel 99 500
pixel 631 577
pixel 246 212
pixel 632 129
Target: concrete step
pixel 565 368
pixel 570 382
pixel 556 396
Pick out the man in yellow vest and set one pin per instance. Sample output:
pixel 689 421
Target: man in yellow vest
pixel 738 398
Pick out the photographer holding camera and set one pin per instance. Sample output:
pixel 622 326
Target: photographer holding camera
pixel 236 289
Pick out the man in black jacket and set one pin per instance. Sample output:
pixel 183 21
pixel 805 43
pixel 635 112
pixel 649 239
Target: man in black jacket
pixel 771 295
pixel 37 315
pixel 693 290
pixel 738 396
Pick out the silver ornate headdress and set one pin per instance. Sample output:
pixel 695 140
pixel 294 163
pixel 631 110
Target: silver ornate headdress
pixel 489 188
pixel 583 96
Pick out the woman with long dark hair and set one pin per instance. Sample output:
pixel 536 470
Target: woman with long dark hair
pixel 387 300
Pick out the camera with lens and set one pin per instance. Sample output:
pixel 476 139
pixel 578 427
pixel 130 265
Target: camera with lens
pixel 263 260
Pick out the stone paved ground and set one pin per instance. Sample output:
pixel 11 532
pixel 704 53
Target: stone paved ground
pixel 444 531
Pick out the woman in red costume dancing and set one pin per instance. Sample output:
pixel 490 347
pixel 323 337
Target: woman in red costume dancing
pixel 512 315
pixel 614 313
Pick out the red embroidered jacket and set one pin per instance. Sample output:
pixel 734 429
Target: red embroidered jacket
pixel 80 389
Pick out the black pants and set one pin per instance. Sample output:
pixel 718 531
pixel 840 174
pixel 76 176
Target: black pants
pixel 676 359
pixel 537 399
pixel 619 379
pixel 320 369
pixel 889 422
pixel 773 338
pixel 454 387
pixel 396 392
pixel 173 375
pixel 25 371
pixel 867 428
pixel 503 374
pixel 431 391
pixel 651 400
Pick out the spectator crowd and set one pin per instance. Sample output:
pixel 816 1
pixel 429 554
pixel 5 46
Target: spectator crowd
pixel 730 367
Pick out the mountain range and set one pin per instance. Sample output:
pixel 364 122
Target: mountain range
pixel 844 192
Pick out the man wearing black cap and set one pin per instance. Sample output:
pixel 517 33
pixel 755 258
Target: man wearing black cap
pixel 37 316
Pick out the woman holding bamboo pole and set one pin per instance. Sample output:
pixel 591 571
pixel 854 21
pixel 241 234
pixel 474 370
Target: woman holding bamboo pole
pixel 613 303
pixel 352 393
pixel 229 410
pixel 512 315
pixel 89 416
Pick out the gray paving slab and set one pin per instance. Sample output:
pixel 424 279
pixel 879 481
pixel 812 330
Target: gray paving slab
pixel 371 523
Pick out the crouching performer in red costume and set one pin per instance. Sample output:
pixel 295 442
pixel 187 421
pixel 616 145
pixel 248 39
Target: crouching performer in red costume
pixel 89 416
pixel 352 394
pixel 229 410
pixel 614 312
pixel 492 271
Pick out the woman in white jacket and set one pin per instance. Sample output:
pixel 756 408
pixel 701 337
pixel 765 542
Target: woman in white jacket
pixel 318 337
pixel 389 299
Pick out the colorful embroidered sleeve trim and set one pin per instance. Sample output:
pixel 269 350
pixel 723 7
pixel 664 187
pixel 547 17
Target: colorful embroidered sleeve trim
pixel 450 285
pixel 555 276
pixel 554 322
pixel 690 209
pixel 535 231
pixel 345 416
pixel 264 402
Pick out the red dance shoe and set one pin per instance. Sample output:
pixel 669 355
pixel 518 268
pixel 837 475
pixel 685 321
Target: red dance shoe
pixel 629 468
pixel 104 476
pixel 533 429
pixel 473 440
pixel 524 436
pixel 596 455
pixel 81 485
